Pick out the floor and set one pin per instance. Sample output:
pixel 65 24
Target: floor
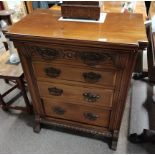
pixel 17 135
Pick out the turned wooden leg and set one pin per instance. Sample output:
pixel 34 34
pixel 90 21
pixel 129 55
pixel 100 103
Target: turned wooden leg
pixel 6 81
pixel 5 45
pixel 37 125
pixel 114 140
pixel 4 106
pixel 23 91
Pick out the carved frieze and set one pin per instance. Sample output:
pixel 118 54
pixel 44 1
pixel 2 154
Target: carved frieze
pixel 88 57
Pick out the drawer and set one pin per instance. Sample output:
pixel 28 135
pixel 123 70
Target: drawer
pixel 73 55
pixel 77 113
pixel 76 94
pixel 70 73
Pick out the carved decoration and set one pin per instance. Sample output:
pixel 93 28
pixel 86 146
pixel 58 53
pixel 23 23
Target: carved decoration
pixel 90 58
pixel 48 53
pixel 91 131
pixel 24 50
pixel 93 58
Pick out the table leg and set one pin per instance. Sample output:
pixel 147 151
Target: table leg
pixel 20 82
pixel 4 105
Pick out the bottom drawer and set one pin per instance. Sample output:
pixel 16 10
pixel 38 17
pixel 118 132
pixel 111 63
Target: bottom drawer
pixel 77 113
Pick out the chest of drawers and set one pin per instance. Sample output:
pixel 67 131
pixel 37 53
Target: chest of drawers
pixel 79 73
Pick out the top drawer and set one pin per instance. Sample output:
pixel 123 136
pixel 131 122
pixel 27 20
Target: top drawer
pixel 80 56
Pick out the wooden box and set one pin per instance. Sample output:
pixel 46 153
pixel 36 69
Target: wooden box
pixel 81 9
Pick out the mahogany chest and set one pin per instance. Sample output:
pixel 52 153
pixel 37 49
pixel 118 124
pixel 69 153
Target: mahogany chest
pixel 79 73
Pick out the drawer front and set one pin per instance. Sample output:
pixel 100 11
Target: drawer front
pixel 70 73
pixel 75 94
pixel 94 58
pixel 73 112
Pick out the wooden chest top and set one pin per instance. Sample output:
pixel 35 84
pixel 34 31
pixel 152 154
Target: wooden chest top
pixel 117 28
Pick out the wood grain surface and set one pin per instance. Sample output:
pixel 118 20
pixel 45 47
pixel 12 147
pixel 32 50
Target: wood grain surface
pixel 117 28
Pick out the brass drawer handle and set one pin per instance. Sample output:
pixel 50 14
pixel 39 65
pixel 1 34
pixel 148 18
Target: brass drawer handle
pixel 59 110
pixel 55 91
pixel 90 97
pixel 90 116
pixel 52 72
pixel 48 54
pixel 91 77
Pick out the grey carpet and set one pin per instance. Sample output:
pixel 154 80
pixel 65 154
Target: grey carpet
pixel 17 136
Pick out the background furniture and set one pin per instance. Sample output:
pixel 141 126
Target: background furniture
pixel 151 45
pixel 148 135
pixel 1 5
pixel 12 72
pixel 29 6
pixel 32 5
pixel 18 7
pixel 5 15
pixel 78 77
